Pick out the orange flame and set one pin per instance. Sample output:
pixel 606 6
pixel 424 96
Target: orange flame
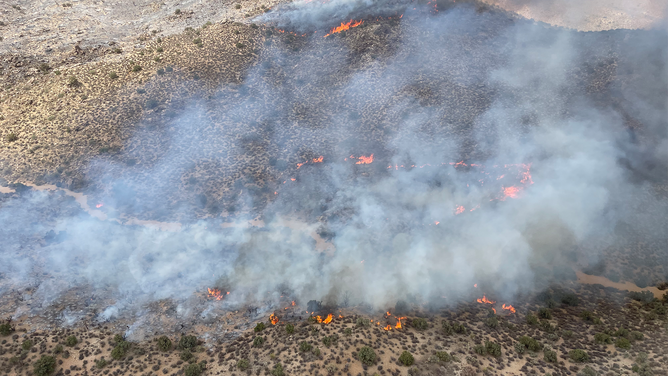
pixel 511 192
pixel 300 164
pixel 494 309
pixel 340 316
pixel 215 293
pixel 365 160
pixel 475 285
pixel 509 308
pixel 318 160
pixel 460 209
pixel 99 205
pixel 485 300
pixel 344 26
pixel 328 319
pixel 389 327
pixel 273 318
pixel 293 303
pixel 398 326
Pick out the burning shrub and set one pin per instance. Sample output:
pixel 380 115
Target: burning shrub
pixel 570 300
pixel 186 355
pixel 493 349
pixel 602 338
pixel 363 323
pixel 492 322
pixel 45 366
pixel 406 358
pixel 27 344
pixel 71 341
pixel 188 343
pixel 550 356
pixel 6 329
pixel 530 343
pixel 623 343
pixel 258 341
pixel 194 369
pixel 479 349
pixel 545 313
pixel 164 343
pixel 278 370
pixel 420 324
pixel 366 355
pixel 289 328
pixel 243 364
pixel 578 355
pixel 305 346
pixel 400 308
pixel 531 319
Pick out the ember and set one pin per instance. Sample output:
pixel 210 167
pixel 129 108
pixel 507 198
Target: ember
pixel 365 160
pixel 216 293
pixel 459 210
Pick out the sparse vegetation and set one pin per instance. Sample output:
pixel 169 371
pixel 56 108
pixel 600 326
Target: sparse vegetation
pixel 44 68
pixel 545 313
pixel 363 323
pixel 366 355
pixel 58 349
pixel 492 322
pixel 570 300
pixel 531 319
pixel 348 332
pixel 177 11
pixel 186 355
pixel 164 343
pixel 278 370
pixel 623 343
pixel 530 343
pixel 240 45
pixel 73 82
pixel 44 366
pixel 602 338
pixel 136 68
pixel 578 355
pixel 237 6
pixel 443 356
pixel 194 369
pixel 101 363
pixel 493 348
pixel 406 358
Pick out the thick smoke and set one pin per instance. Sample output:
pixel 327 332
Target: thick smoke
pixel 456 86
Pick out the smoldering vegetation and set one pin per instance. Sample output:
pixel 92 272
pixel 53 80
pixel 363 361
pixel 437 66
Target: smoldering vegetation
pixel 583 114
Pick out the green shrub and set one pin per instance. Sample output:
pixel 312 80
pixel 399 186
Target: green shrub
pixel 567 334
pixel 531 319
pixel 587 371
pixel 188 343
pixel 73 82
pixel 71 341
pixel 316 352
pixel 530 343
pixel 159 49
pixel 197 41
pixel 637 336
pixel 479 349
pixel 186 355
pixel 587 316
pixel 258 341
pixel 177 11
pixel 327 341
pixel 113 75
pixel 11 137
pixel 348 332
pixel 44 68
pixel 546 326
pixel 259 327
pixel 621 332
pixel 164 343
pixel 362 322
pixel 493 348
pixel 366 355
pixel 578 355
pixel 101 363
pixel 240 45
pixel 243 364
pixel 237 6
pixel 406 358
pixel 117 50
pixel 420 324
pixel 545 313
pixel 520 348
pixel 492 322
pixel 120 349
pixel 278 370
pixel 44 366
pixel 289 328
pixel 570 300
pixel 643 296
pixel 602 338
pixel 27 344
pixel 6 328
pixel 305 346
pixel 194 369
pixel 443 356
pixel 136 68
pixel 550 356
pixel 623 343
pixel 58 349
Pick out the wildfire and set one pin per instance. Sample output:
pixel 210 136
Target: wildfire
pixel 293 303
pixel 388 327
pixel 460 209
pixel 365 160
pixel 216 293
pixel 398 326
pixel 328 319
pixel 511 192
pixel 273 318
pixel 485 300
pixel 508 308
pixel 318 160
pixel 344 26
pixel 99 205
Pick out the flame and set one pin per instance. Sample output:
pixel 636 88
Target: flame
pixel 460 209
pixel 436 222
pixel 389 327
pixel 509 308
pixel 398 326
pixel 293 303
pixel 99 205
pixel 340 316
pixel 485 300
pixel 328 319
pixel 511 192
pixel 344 26
pixel 318 160
pixel 215 293
pixel 475 285
pixel 300 164
pixel 494 309
pixel 365 160
pixel 293 179
pixel 273 318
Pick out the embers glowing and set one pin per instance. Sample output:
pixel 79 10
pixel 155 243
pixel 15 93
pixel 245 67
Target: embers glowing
pixel 365 160
pixel 459 210
pixel 344 26
pixel 216 293
pixel 274 319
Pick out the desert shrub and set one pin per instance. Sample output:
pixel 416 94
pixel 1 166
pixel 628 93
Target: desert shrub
pixel 6 328
pixel 117 50
pixel 159 49
pixel 305 346
pixel 531 319
pixel 188 343
pixel 136 68
pixel 101 363
pixel 364 323
pixel 443 356
pixel 479 349
pixel 71 341
pixel 113 75
pixel 348 332
pixel 530 343
pixel 570 300
pixel 240 45
pixel 586 315
pixel 278 370
pixel 621 332
pixel 643 296
pixel 11 137
pixel 258 341
pixel 259 327
pixel 289 328
pixel 623 343
pixel 546 326
pixel 520 348
pixel 186 355
pixel 602 338
pixel 447 328
pixel 587 371
pixel 550 303
pixel 120 349
pixel 545 313
pixel 637 336
pixel 177 11
pixel 44 366
pixel 492 322
pixel 366 355
pixel 661 310
pixel 27 344
pixel 406 358
pixel 151 103
pixel 578 355
pixel 567 334
pixel 420 324
pixel 197 41
pixel 237 6
pixel 194 369
pixel 243 364
pixel 164 343
pixel 493 348
pixel 44 67
pixel 316 352
pixel 160 71
pixel 73 82
pixel 327 341
pixel 550 356
pixel 58 349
